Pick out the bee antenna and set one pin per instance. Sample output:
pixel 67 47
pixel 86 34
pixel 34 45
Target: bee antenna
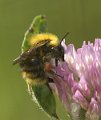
pixel 64 36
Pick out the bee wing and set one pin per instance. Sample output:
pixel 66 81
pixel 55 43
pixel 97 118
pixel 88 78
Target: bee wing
pixel 42 43
pixel 38 46
pixel 29 52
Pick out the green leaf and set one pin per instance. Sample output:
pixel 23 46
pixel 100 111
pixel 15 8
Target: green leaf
pixel 46 100
pixel 38 26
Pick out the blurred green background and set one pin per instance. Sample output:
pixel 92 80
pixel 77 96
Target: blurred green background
pixel 82 18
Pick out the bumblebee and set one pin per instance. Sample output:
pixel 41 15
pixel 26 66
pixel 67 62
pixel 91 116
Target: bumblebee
pixel 36 62
pixel 41 52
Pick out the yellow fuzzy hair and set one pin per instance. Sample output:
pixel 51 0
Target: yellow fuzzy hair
pixel 30 82
pixel 44 36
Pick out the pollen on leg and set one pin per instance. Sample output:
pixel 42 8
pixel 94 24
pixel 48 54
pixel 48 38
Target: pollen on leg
pixel 48 67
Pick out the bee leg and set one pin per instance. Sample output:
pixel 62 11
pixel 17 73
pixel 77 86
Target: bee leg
pixel 50 80
pixel 49 87
pixel 56 62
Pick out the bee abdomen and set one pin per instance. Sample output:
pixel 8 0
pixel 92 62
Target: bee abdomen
pixel 32 80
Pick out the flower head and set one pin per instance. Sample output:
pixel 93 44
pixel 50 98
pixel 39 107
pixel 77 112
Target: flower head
pixel 79 86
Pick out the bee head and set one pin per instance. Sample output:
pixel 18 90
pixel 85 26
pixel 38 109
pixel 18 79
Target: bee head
pixel 58 52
